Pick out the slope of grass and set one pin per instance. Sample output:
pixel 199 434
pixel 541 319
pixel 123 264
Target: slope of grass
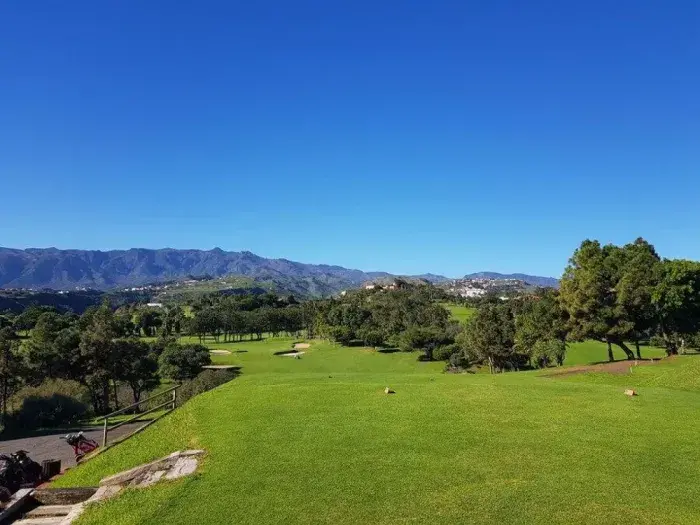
pixel 315 440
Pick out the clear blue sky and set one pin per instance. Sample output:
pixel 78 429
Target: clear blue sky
pixel 406 136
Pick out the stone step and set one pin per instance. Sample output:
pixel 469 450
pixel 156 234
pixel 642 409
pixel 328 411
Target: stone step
pixel 44 511
pixel 55 520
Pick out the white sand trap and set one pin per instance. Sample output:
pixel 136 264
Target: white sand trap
pixel 299 346
pixel 219 367
pixel 293 354
pixel 219 352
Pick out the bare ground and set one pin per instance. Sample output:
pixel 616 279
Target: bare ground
pixel 615 367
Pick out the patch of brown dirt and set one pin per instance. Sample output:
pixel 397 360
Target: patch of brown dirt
pixel 615 367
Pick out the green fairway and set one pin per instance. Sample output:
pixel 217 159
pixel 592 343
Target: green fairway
pixel 589 352
pixel 315 440
pixel 460 312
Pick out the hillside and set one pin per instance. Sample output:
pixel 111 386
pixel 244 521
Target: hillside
pixel 104 270
pixel 64 269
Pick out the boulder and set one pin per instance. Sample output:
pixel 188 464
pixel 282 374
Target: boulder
pixel 630 392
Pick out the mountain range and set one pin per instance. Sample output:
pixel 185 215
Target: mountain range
pixel 103 270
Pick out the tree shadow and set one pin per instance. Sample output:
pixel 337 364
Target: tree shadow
pixel 286 352
pixel 388 350
pixel 240 351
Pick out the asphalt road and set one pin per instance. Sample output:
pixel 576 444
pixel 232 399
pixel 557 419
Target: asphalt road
pixel 50 446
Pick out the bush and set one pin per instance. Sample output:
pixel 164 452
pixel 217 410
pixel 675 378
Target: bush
pixel 445 352
pixel 181 362
pixel 205 381
pixel 52 403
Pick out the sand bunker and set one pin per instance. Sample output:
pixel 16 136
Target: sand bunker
pixel 298 346
pixel 293 354
pixel 219 367
pixel 219 352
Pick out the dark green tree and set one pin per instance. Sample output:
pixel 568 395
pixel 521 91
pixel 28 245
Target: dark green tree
pixel 676 302
pixel 182 362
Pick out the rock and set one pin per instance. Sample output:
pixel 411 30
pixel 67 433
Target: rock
pixel 630 392
pixel 388 390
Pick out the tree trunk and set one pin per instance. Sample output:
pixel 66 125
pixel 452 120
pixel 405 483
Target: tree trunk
pixel 611 358
pixel 116 397
pixel 491 364
pixel 625 349
pixel 636 344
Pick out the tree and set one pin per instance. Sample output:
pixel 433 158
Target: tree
pixel 11 367
pixel 371 337
pixel 424 338
pixel 541 319
pixel 97 356
pixel 136 365
pixel 45 360
pixel 490 338
pixel 676 301
pixel 635 288
pixel 547 352
pixel 149 320
pixel 172 323
pixel 588 294
pixel 182 362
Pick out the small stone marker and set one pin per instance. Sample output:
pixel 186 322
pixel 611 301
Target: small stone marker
pixel 630 392
pixel 388 390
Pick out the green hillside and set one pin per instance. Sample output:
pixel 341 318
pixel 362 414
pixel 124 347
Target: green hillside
pixel 316 440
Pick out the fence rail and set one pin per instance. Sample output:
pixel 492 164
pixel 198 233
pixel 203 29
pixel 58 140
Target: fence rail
pixel 168 405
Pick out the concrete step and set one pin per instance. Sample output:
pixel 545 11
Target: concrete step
pixel 44 511
pixel 55 520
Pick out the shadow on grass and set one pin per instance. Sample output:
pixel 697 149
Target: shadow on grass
pixel 286 352
pixel 388 350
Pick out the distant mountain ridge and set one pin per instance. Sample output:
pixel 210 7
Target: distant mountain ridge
pixel 103 270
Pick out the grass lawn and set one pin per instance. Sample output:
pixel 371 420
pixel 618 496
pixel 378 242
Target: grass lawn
pixel 460 312
pixel 315 440
pixel 589 352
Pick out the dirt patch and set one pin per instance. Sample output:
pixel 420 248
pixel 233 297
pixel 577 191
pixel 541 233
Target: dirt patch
pixel 616 367
pixel 299 346
pixel 219 352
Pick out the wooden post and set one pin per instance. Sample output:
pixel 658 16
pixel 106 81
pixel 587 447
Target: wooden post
pixel 174 398
pixel 104 433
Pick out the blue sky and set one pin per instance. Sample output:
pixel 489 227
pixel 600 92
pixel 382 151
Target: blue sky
pixel 411 136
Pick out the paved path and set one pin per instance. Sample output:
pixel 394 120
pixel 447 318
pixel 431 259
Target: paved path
pixel 51 446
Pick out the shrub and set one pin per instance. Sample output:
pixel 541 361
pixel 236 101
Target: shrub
pixel 181 362
pixel 206 380
pixel 341 334
pixel 52 403
pixel 445 352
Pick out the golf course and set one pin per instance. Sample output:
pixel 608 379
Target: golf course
pixel 317 440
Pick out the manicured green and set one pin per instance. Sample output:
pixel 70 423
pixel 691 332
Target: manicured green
pixel 590 352
pixel 316 440
pixel 460 312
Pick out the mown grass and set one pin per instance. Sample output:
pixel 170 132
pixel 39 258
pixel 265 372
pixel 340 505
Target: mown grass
pixel 589 352
pixel 315 440
pixel 460 312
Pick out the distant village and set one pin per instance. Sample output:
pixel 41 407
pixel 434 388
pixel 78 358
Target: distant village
pixel 480 287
